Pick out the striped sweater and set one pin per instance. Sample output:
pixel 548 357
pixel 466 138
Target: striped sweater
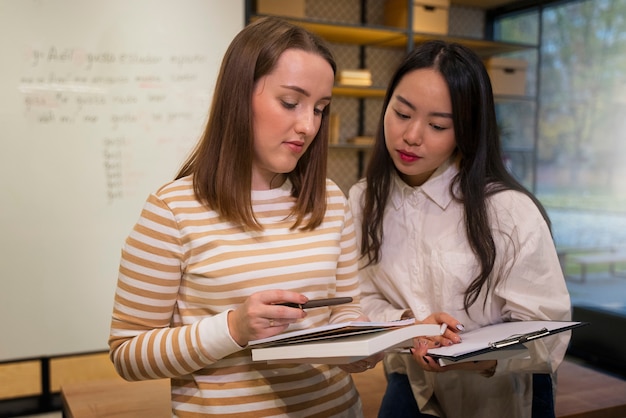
pixel 183 268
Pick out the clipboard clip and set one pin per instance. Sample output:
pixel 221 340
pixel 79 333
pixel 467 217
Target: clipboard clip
pixel 520 338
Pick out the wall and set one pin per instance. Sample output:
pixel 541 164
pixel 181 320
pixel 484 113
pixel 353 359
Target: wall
pixel 100 101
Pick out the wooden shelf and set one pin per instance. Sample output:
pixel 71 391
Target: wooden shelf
pixel 482 4
pixel 388 37
pixel 356 34
pixel 364 92
pixel 484 48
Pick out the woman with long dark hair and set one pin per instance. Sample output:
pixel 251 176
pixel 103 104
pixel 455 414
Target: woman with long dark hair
pixel 443 226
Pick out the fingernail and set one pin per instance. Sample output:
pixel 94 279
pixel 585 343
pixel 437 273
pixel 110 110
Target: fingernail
pixel 460 327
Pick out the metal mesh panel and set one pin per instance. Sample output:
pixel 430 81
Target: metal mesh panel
pixel 343 164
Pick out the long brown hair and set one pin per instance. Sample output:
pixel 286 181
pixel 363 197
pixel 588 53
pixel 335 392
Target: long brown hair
pixel 221 163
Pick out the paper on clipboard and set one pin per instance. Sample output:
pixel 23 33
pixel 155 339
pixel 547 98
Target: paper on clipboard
pixel 497 341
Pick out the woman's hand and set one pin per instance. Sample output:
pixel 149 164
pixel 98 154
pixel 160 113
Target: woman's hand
pixel 366 363
pixel 260 316
pixel 451 334
pixel 363 365
pixel 420 354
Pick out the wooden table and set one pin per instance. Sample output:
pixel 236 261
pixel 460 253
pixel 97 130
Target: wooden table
pixel 582 392
pixel 117 398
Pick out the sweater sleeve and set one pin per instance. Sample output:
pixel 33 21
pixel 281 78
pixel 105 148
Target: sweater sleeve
pixel 534 287
pixel 144 341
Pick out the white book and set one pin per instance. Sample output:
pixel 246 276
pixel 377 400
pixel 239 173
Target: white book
pixel 356 73
pixel 344 348
pixel 354 82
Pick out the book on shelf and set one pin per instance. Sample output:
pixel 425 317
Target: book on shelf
pixel 355 82
pixel 341 343
pixel 362 74
pixel 359 77
pixel 499 341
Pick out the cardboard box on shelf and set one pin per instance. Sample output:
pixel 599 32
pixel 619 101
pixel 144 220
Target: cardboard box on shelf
pixel 508 76
pixel 289 8
pixel 429 16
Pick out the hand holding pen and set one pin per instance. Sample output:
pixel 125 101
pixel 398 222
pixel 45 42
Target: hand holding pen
pixel 269 312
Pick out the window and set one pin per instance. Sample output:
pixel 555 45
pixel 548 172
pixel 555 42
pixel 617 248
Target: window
pixel 579 166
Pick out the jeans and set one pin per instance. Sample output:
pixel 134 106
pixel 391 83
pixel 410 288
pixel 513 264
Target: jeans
pixel 543 396
pixel 399 402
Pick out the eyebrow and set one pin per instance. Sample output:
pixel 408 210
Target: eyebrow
pixel 405 101
pixel 412 107
pixel 303 91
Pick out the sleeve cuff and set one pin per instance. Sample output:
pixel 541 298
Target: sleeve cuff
pixel 215 339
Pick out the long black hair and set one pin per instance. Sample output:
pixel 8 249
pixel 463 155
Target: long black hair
pixel 481 169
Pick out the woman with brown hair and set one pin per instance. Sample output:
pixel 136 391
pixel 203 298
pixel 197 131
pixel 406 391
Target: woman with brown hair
pixel 249 222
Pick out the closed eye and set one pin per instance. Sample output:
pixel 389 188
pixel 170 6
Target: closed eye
pixel 288 105
pixel 401 115
pixel 438 127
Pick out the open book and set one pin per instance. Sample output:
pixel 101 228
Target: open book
pixel 340 343
pixel 499 341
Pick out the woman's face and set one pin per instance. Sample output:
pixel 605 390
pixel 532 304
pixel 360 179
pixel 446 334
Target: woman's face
pixel 419 132
pixel 287 107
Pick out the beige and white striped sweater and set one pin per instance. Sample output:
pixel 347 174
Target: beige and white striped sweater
pixel 182 268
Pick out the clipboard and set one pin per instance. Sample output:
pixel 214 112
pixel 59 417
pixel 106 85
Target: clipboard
pixel 499 341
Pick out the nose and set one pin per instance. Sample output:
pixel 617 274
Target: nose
pixel 413 134
pixel 306 124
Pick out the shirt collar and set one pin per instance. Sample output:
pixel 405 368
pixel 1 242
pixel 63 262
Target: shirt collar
pixel 436 188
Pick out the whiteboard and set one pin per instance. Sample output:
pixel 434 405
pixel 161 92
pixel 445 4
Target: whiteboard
pixel 100 103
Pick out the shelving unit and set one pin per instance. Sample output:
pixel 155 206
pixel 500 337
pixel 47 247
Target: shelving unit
pixel 363 34
pixel 398 38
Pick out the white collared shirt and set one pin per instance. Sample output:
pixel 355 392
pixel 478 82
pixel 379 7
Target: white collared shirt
pixel 426 266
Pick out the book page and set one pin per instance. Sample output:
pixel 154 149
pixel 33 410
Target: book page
pixel 330 331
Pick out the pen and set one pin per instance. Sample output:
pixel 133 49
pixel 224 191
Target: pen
pixel 316 303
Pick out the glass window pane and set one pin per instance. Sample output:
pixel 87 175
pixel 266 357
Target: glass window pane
pixel 580 174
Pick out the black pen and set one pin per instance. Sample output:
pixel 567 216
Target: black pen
pixel 317 303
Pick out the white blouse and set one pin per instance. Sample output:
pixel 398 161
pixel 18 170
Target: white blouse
pixel 427 264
